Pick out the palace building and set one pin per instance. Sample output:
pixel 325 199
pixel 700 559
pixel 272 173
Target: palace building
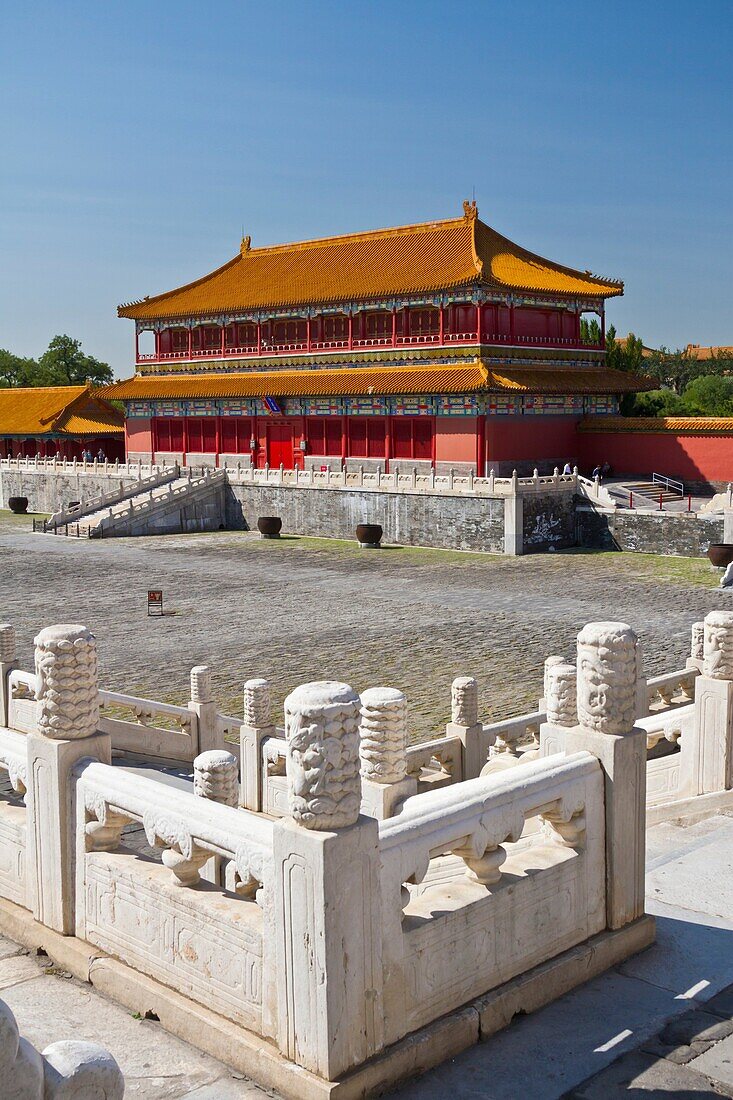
pixel 59 421
pixel 439 344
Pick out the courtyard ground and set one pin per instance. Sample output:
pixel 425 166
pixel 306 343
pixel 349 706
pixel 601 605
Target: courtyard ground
pixel 299 609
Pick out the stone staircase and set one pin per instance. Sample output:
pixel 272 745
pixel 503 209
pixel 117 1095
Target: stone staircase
pixel 651 491
pixel 177 504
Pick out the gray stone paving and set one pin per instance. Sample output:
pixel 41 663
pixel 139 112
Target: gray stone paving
pixel 304 609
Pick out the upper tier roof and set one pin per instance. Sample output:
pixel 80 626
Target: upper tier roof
pixel 410 259
pixel 57 410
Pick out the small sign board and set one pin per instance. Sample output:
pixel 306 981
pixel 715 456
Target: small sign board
pixel 324 469
pixel 155 601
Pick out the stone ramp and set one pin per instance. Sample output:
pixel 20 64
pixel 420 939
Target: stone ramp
pixel 178 504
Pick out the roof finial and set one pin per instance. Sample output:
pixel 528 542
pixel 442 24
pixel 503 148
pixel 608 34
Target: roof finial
pixel 245 245
pixel 470 210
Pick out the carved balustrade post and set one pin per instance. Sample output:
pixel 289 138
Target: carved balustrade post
pixel 7 664
pixel 465 725
pixel 697 646
pixel 561 707
pixel 550 662
pixel 206 733
pixel 327 890
pixel 706 759
pixel 257 726
pixel 385 783
pixel 607 696
pixel 216 777
pixel 67 716
pixel 65 1069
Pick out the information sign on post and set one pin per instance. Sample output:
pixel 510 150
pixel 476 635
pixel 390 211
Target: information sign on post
pixel 155 601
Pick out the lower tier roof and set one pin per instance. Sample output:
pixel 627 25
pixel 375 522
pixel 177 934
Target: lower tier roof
pixel 360 381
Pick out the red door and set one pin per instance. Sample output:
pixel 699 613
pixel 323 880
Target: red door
pixel 280 445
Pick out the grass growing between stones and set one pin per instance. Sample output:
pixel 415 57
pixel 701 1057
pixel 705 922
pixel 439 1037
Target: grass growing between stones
pixel 13 521
pixel 673 570
pixel 348 548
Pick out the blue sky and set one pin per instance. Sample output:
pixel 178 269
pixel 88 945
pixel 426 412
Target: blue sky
pixel 139 139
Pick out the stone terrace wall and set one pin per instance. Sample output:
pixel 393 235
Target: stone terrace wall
pixel 647 533
pixel 453 522
pixel 548 523
pixel 46 490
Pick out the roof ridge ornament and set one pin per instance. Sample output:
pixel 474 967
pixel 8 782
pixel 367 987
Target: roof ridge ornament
pixel 470 210
pixel 245 245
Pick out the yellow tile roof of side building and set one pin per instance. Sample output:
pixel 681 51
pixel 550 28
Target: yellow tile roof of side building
pixel 53 410
pixel 410 259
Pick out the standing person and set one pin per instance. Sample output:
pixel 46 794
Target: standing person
pixel 101 456
pixel 597 470
pixel 567 468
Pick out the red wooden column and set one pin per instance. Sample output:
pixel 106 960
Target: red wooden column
pixel 344 446
pixel 478 321
pixel 351 331
pixel 218 439
pixel 259 336
pixel 512 333
pixel 603 326
pixel 480 445
pixel 442 323
pixel 387 443
pixel 137 345
pixel 223 340
pixel 157 343
pixel 394 328
pixel 308 331
pixel 190 342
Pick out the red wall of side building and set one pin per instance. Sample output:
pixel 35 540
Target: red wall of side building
pixel 517 438
pixel 138 436
pixel 693 458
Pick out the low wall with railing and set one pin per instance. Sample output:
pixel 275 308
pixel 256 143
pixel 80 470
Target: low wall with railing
pixel 511 515
pixel 421 877
pixel 368 905
pixel 51 485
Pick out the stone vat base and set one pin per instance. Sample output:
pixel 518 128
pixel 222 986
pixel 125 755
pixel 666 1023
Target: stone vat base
pixel 259 1059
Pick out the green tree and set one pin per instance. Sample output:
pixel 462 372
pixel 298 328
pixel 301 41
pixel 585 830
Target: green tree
pixel 653 403
pixel 15 370
pixel 65 364
pixel 590 331
pixel 627 355
pixel 709 395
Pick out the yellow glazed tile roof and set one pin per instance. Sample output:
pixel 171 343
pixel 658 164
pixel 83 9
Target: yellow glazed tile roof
pixel 568 380
pixel 410 259
pixel 679 425
pixel 45 410
pixel 351 381
pixel 356 381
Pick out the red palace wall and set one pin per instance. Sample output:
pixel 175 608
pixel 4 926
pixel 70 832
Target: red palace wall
pixel 691 458
pixel 138 436
pixel 531 438
pixel 455 439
